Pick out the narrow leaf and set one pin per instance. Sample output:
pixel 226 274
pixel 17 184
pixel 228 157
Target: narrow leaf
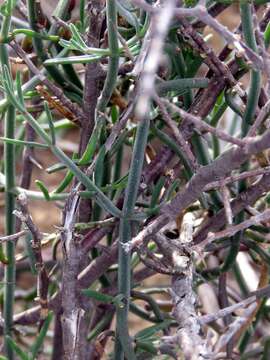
pixel 98 296
pixel 41 336
pixel 43 189
pixel 150 331
pixel 21 353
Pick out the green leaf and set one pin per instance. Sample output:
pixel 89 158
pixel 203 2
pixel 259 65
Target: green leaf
pixel 89 151
pixel 77 36
pixel 43 189
pixel 41 336
pixel 178 85
pixel 99 168
pixel 7 7
pixel 55 168
pixel 114 114
pixel 125 10
pixel 82 59
pixel 64 183
pixel 150 331
pixel 21 353
pixel 147 346
pixel 24 143
pixel 156 191
pixel 50 121
pixel 267 35
pixel 19 88
pixel 98 296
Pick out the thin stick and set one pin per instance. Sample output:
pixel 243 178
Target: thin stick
pixel 201 125
pixel 74 108
pixel 9 163
pixel 234 178
pixel 13 236
pixel 43 279
pixel 177 134
pixel 230 231
pixel 227 206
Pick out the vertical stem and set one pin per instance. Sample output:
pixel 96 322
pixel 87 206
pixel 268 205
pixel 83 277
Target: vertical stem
pixel 10 226
pixel 255 80
pixel 38 43
pixel 111 13
pixel 123 346
pixel 9 201
pixel 252 102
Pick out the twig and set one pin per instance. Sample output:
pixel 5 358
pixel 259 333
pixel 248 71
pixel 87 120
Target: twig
pixel 234 327
pixel 205 319
pixel 217 169
pixel 234 178
pixel 92 73
pixel 201 13
pixel 152 55
pixel 177 134
pixel 230 231
pixel 188 332
pixel 13 236
pixel 43 279
pixel 74 108
pixel 262 116
pixel 245 198
pixel 201 125
pixel 227 206
pixel 73 314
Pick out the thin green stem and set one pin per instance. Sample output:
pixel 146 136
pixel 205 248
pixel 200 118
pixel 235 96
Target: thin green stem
pixel 111 78
pixel 38 44
pixel 29 85
pixel 255 80
pixel 9 152
pixel 100 197
pixel 10 225
pixel 123 345
pixel 111 12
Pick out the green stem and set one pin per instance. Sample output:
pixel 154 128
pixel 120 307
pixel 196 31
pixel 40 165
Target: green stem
pixel 111 78
pixel 9 202
pixel 247 119
pixel 10 226
pixel 255 81
pixel 111 12
pixel 100 197
pixel 123 346
pixel 39 49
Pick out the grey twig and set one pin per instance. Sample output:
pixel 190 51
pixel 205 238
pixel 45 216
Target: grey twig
pixel 202 125
pixel 177 134
pixel 219 168
pixel 188 334
pixel 234 178
pixel 13 237
pixel 157 32
pixel 43 279
pixel 231 230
